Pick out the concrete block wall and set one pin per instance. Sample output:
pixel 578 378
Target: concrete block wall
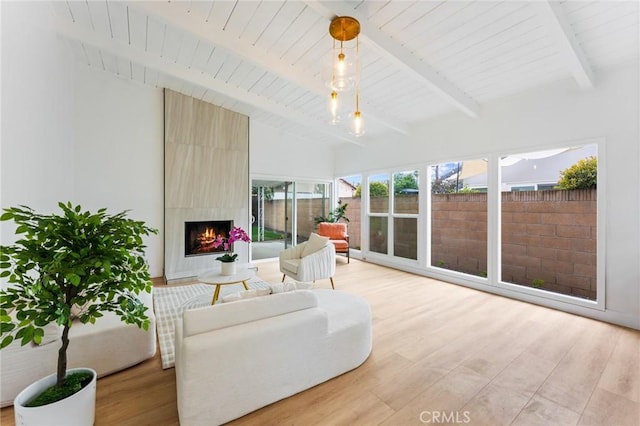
pixel 551 237
pixel 459 232
pixel 548 238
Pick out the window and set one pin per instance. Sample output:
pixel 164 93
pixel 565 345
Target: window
pixel 283 213
pixel 378 213
pixel 459 216
pixel 549 237
pixel 512 222
pixel 405 214
pixel 312 201
pixel 349 191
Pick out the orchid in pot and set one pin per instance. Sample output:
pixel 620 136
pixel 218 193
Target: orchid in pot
pixel 229 257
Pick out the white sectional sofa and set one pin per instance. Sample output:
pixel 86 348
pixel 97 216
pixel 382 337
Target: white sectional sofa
pixel 107 346
pixel 234 358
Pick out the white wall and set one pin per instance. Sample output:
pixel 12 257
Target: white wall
pixel 119 151
pixel 559 113
pixel 280 155
pixel 37 112
pixel 70 133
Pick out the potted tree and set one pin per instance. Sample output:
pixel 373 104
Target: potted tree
pixel 84 262
pixel 336 215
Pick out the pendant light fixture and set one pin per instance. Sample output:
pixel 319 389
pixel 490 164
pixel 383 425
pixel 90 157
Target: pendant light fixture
pixel 345 73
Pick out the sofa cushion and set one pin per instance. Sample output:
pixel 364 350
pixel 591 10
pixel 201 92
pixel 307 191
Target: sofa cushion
pixel 247 294
pixel 224 315
pixel 340 244
pixel 290 265
pixel 290 286
pixel 314 243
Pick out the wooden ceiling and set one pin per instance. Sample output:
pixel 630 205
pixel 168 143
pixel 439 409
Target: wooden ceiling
pixel 419 59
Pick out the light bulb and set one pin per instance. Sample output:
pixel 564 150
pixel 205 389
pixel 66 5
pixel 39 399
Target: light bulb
pixel 357 125
pixel 341 66
pixel 342 78
pixel 333 107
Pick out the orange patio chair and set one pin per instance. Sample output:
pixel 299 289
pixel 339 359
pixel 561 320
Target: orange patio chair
pixel 337 233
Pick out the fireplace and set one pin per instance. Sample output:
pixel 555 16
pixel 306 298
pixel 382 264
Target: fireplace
pixel 199 236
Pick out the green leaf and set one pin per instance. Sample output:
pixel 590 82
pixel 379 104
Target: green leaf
pixel 73 279
pixel 6 327
pixel 6 341
pixel 37 336
pixel 21 229
pixel 27 336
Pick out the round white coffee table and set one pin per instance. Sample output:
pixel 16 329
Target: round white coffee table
pixel 216 278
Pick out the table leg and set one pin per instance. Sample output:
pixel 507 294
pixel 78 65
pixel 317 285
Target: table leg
pixel 244 283
pixel 216 293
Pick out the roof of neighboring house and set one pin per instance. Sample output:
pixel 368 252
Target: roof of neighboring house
pixel 349 184
pixel 535 167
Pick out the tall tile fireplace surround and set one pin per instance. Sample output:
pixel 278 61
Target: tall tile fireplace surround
pixel 206 180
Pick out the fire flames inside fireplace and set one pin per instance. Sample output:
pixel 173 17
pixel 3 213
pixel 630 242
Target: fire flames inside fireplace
pixel 199 236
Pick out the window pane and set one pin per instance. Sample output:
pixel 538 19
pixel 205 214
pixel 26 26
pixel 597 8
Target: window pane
pixel 349 190
pixel 459 216
pixel 405 234
pixel 378 234
pixel 405 192
pixel 549 236
pixel 312 201
pixel 270 231
pixel 379 194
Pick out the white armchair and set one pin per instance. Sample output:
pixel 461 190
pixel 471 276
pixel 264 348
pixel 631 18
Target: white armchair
pixel 312 260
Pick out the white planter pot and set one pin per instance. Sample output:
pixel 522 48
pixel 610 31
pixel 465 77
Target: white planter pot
pixel 228 268
pixel 77 409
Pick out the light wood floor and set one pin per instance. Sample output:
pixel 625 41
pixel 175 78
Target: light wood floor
pixel 441 354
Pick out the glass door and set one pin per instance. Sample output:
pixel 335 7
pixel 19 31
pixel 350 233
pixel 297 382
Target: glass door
pixel 271 213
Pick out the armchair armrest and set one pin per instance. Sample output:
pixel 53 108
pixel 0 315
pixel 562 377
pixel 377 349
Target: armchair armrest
pixel 318 265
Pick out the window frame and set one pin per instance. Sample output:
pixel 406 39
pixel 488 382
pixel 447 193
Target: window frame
pixel 599 302
pixel 389 258
pixel 494 235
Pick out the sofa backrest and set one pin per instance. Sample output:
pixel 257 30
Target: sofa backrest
pixel 196 321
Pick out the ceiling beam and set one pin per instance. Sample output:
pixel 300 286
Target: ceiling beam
pixel 400 55
pixel 114 47
pixel 170 13
pixel 560 29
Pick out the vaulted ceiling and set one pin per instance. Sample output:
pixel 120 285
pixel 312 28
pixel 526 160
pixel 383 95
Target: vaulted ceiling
pixel 419 59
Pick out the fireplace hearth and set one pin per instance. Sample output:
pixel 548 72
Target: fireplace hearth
pixel 199 236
